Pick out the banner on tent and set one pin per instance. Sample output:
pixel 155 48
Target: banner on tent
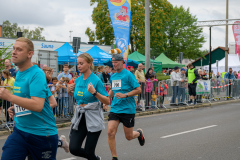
pixel 120 13
pixel 203 87
pixel 236 33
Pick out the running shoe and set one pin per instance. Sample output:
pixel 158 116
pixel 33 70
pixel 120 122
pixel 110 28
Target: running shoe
pixel 65 144
pixel 141 138
pixel 98 157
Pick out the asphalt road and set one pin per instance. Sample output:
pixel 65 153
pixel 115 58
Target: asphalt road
pixel 211 133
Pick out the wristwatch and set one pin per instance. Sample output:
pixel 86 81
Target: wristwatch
pixel 95 93
pixel 126 95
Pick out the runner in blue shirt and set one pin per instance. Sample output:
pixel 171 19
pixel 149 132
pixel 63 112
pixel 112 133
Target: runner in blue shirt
pixel 35 131
pixel 124 87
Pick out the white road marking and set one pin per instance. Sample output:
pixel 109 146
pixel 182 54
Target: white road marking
pixel 72 158
pixel 198 129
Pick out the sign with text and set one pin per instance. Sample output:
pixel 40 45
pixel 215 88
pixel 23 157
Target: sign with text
pixel 120 14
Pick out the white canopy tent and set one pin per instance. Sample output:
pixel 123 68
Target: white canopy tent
pixel 233 62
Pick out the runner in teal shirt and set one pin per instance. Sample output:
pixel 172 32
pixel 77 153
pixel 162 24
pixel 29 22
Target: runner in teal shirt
pixel 123 82
pixel 35 132
pixel 27 85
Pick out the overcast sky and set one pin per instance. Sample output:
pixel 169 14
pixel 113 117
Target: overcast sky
pixel 58 17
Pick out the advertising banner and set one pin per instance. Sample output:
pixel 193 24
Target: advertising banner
pixel 120 13
pixel 203 87
pixel 236 33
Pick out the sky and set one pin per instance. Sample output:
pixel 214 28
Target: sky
pixel 59 17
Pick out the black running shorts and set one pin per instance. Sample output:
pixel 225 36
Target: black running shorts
pixel 127 119
pixel 192 89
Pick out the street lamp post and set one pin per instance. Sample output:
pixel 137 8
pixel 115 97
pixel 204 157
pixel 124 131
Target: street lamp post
pixel 226 41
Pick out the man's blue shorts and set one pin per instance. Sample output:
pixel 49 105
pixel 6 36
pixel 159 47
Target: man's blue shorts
pixel 20 144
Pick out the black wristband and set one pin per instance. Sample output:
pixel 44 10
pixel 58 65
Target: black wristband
pixel 95 93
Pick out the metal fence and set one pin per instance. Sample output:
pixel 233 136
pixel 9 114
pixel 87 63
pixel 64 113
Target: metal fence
pixel 154 95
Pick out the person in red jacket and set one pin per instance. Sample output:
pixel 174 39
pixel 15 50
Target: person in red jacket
pixel 163 90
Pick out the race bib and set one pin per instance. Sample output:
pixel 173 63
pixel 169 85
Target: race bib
pixel 116 84
pixel 20 111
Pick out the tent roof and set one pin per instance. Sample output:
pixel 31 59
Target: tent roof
pixel 136 56
pixel 130 63
pixel 65 54
pixel 216 54
pixel 166 62
pixel 98 55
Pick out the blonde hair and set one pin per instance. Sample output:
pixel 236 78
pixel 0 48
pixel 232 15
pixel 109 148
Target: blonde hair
pixel 99 68
pixel 106 67
pixel 7 73
pixel 87 58
pixel 199 71
pixel 30 45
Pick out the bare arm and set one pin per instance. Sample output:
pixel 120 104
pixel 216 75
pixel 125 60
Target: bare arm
pixel 52 101
pixel 110 94
pixel 34 104
pixel 101 98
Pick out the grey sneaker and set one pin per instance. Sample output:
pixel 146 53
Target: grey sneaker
pixel 65 144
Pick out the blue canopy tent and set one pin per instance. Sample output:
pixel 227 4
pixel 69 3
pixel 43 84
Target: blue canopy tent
pixel 66 55
pixel 98 55
pixel 130 63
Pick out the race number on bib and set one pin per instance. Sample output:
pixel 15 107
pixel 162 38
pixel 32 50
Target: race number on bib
pixel 20 111
pixel 116 84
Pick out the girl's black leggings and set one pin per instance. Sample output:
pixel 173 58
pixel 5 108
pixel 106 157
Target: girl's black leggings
pixel 77 138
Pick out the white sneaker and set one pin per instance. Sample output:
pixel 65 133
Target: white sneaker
pixel 65 144
pixel 99 157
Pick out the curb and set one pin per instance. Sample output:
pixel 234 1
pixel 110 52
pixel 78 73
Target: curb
pixel 67 124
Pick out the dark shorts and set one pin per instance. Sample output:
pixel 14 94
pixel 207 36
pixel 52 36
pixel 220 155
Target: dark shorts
pixel 192 89
pixel 126 119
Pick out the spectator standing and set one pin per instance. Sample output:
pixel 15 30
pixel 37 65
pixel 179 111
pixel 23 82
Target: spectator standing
pixel 181 90
pixel 201 75
pixel 66 98
pixel 218 81
pixel 100 73
pixel 154 73
pixel 8 82
pixel 53 89
pixel 235 74
pixel 149 88
pixel 139 74
pixel 149 72
pixel 193 76
pixel 105 74
pixel 174 83
pixel 60 91
pixel 12 71
pixel 228 78
pixel 65 72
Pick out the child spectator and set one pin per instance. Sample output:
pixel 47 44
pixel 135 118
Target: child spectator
pixel 162 91
pixel 65 98
pixel 8 82
pixel 53 89
pixel 149 86
pixel 153 99
pixel 61 86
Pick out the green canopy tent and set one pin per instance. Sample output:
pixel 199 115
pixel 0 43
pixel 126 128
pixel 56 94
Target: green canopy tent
pixel 166 62
pixel 136 56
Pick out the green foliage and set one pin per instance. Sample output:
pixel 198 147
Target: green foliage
pixel 183 35
pixel 10 31
pixel 160 11
pixel 161 77
pixel 172 29
pixel 90 34
pixel 4 54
